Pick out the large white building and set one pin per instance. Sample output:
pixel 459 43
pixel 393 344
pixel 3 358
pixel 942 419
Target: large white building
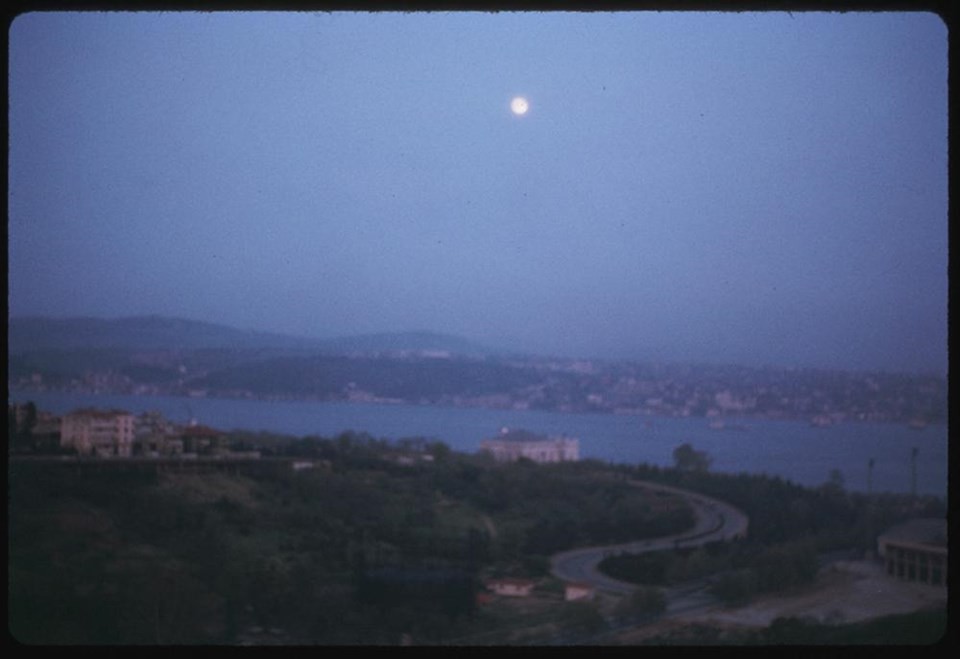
pixel 511 445
pixel 96 432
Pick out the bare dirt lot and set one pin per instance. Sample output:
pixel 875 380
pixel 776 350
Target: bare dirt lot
pixel 845 592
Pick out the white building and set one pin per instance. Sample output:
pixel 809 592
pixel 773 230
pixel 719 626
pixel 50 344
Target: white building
pixel 578 591
pixel 96 432
pixel 511 445
pixel 510 587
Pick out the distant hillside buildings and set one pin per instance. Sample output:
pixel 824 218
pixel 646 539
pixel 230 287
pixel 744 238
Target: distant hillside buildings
pixel 511 445
pixel 112 433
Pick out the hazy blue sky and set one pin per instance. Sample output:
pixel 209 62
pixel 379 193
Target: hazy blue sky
pixel 757 188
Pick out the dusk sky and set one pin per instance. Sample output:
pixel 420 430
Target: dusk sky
pixel 745 188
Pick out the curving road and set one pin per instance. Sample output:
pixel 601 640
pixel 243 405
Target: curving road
pixel 716 521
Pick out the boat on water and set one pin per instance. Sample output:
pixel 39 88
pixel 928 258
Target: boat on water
pixel 720 424
pixel 821 421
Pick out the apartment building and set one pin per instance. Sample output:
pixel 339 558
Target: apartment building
pixel 98 433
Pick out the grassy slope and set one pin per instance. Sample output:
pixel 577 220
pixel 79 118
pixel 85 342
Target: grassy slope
pixel 129 558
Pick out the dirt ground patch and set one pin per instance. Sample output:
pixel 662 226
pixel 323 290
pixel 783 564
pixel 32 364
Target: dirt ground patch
pixel 850 591
pixel 845 592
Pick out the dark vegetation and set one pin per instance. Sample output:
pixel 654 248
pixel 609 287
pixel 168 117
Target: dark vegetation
pixel 373 542
pixel 383 539
pixel 922 628
pixel 790 526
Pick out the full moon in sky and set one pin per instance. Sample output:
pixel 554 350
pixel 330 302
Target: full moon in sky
pixel 519 105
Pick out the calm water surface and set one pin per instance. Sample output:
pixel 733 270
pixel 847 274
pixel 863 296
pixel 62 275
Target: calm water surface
pixel 792 450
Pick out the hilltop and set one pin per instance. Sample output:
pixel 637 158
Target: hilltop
pixel 170 356
pixel 29 334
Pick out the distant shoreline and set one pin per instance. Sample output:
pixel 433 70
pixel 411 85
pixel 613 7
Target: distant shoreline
pixel 731 423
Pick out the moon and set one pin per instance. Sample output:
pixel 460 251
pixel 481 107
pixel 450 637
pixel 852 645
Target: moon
pixel 519 106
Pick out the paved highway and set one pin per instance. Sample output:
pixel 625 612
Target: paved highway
pixel 715 521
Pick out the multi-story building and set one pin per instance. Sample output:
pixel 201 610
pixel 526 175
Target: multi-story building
pixel 96 432
pixel 511 445
pixel 203 440
pixel 155 436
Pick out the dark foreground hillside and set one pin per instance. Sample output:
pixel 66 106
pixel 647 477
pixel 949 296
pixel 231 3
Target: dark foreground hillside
pixel 360 541
pixel 124 556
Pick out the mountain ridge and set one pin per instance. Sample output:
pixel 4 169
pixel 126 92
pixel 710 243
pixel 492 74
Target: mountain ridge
pixel 156 332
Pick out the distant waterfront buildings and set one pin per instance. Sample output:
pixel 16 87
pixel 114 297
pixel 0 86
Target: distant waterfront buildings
pixel 511 445
pixel 114 433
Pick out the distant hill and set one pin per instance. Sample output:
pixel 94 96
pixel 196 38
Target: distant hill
pixel 419 341
pixel 160 333
pixel 135 333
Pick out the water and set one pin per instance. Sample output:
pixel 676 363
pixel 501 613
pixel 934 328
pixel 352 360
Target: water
pixel 792 450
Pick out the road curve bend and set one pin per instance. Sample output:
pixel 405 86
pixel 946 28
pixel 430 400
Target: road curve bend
pixel 716 521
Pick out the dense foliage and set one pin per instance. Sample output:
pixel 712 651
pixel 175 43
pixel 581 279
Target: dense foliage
pixel 790 526
pixel 116 555
pixel 922 628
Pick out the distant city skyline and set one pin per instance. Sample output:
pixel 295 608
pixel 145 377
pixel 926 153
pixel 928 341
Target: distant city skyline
pixel 762 189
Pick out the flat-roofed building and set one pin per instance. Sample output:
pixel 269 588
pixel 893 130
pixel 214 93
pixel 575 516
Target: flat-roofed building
pixel 578 591
pixel 511 445
pixel 155 436
pixel 203 440
pixel 916 551
pixel 511 587
pixel 98 432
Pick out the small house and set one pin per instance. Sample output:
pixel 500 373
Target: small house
pixel 511 587
pixel 578 591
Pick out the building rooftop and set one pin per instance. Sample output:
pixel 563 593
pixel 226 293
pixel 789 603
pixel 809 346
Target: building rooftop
pixel 511 581
pixel 932 532
pixel 98 414
pixel 519 435
pixel 200 431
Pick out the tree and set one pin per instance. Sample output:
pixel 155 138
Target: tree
pixel 642 601
pixel 439 450
pixel 581 619
pixel 835 483
pixel 736 587
pixel 686 458
pixel 20 434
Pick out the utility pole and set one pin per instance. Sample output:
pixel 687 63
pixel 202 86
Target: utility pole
pixel 871 537
pixel 913 471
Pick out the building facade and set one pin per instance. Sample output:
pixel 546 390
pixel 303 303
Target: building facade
pixel 511 445
pixel 916 551
pixel 98 433
pixel 154 436
pixel 574 592
pixel 510 587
